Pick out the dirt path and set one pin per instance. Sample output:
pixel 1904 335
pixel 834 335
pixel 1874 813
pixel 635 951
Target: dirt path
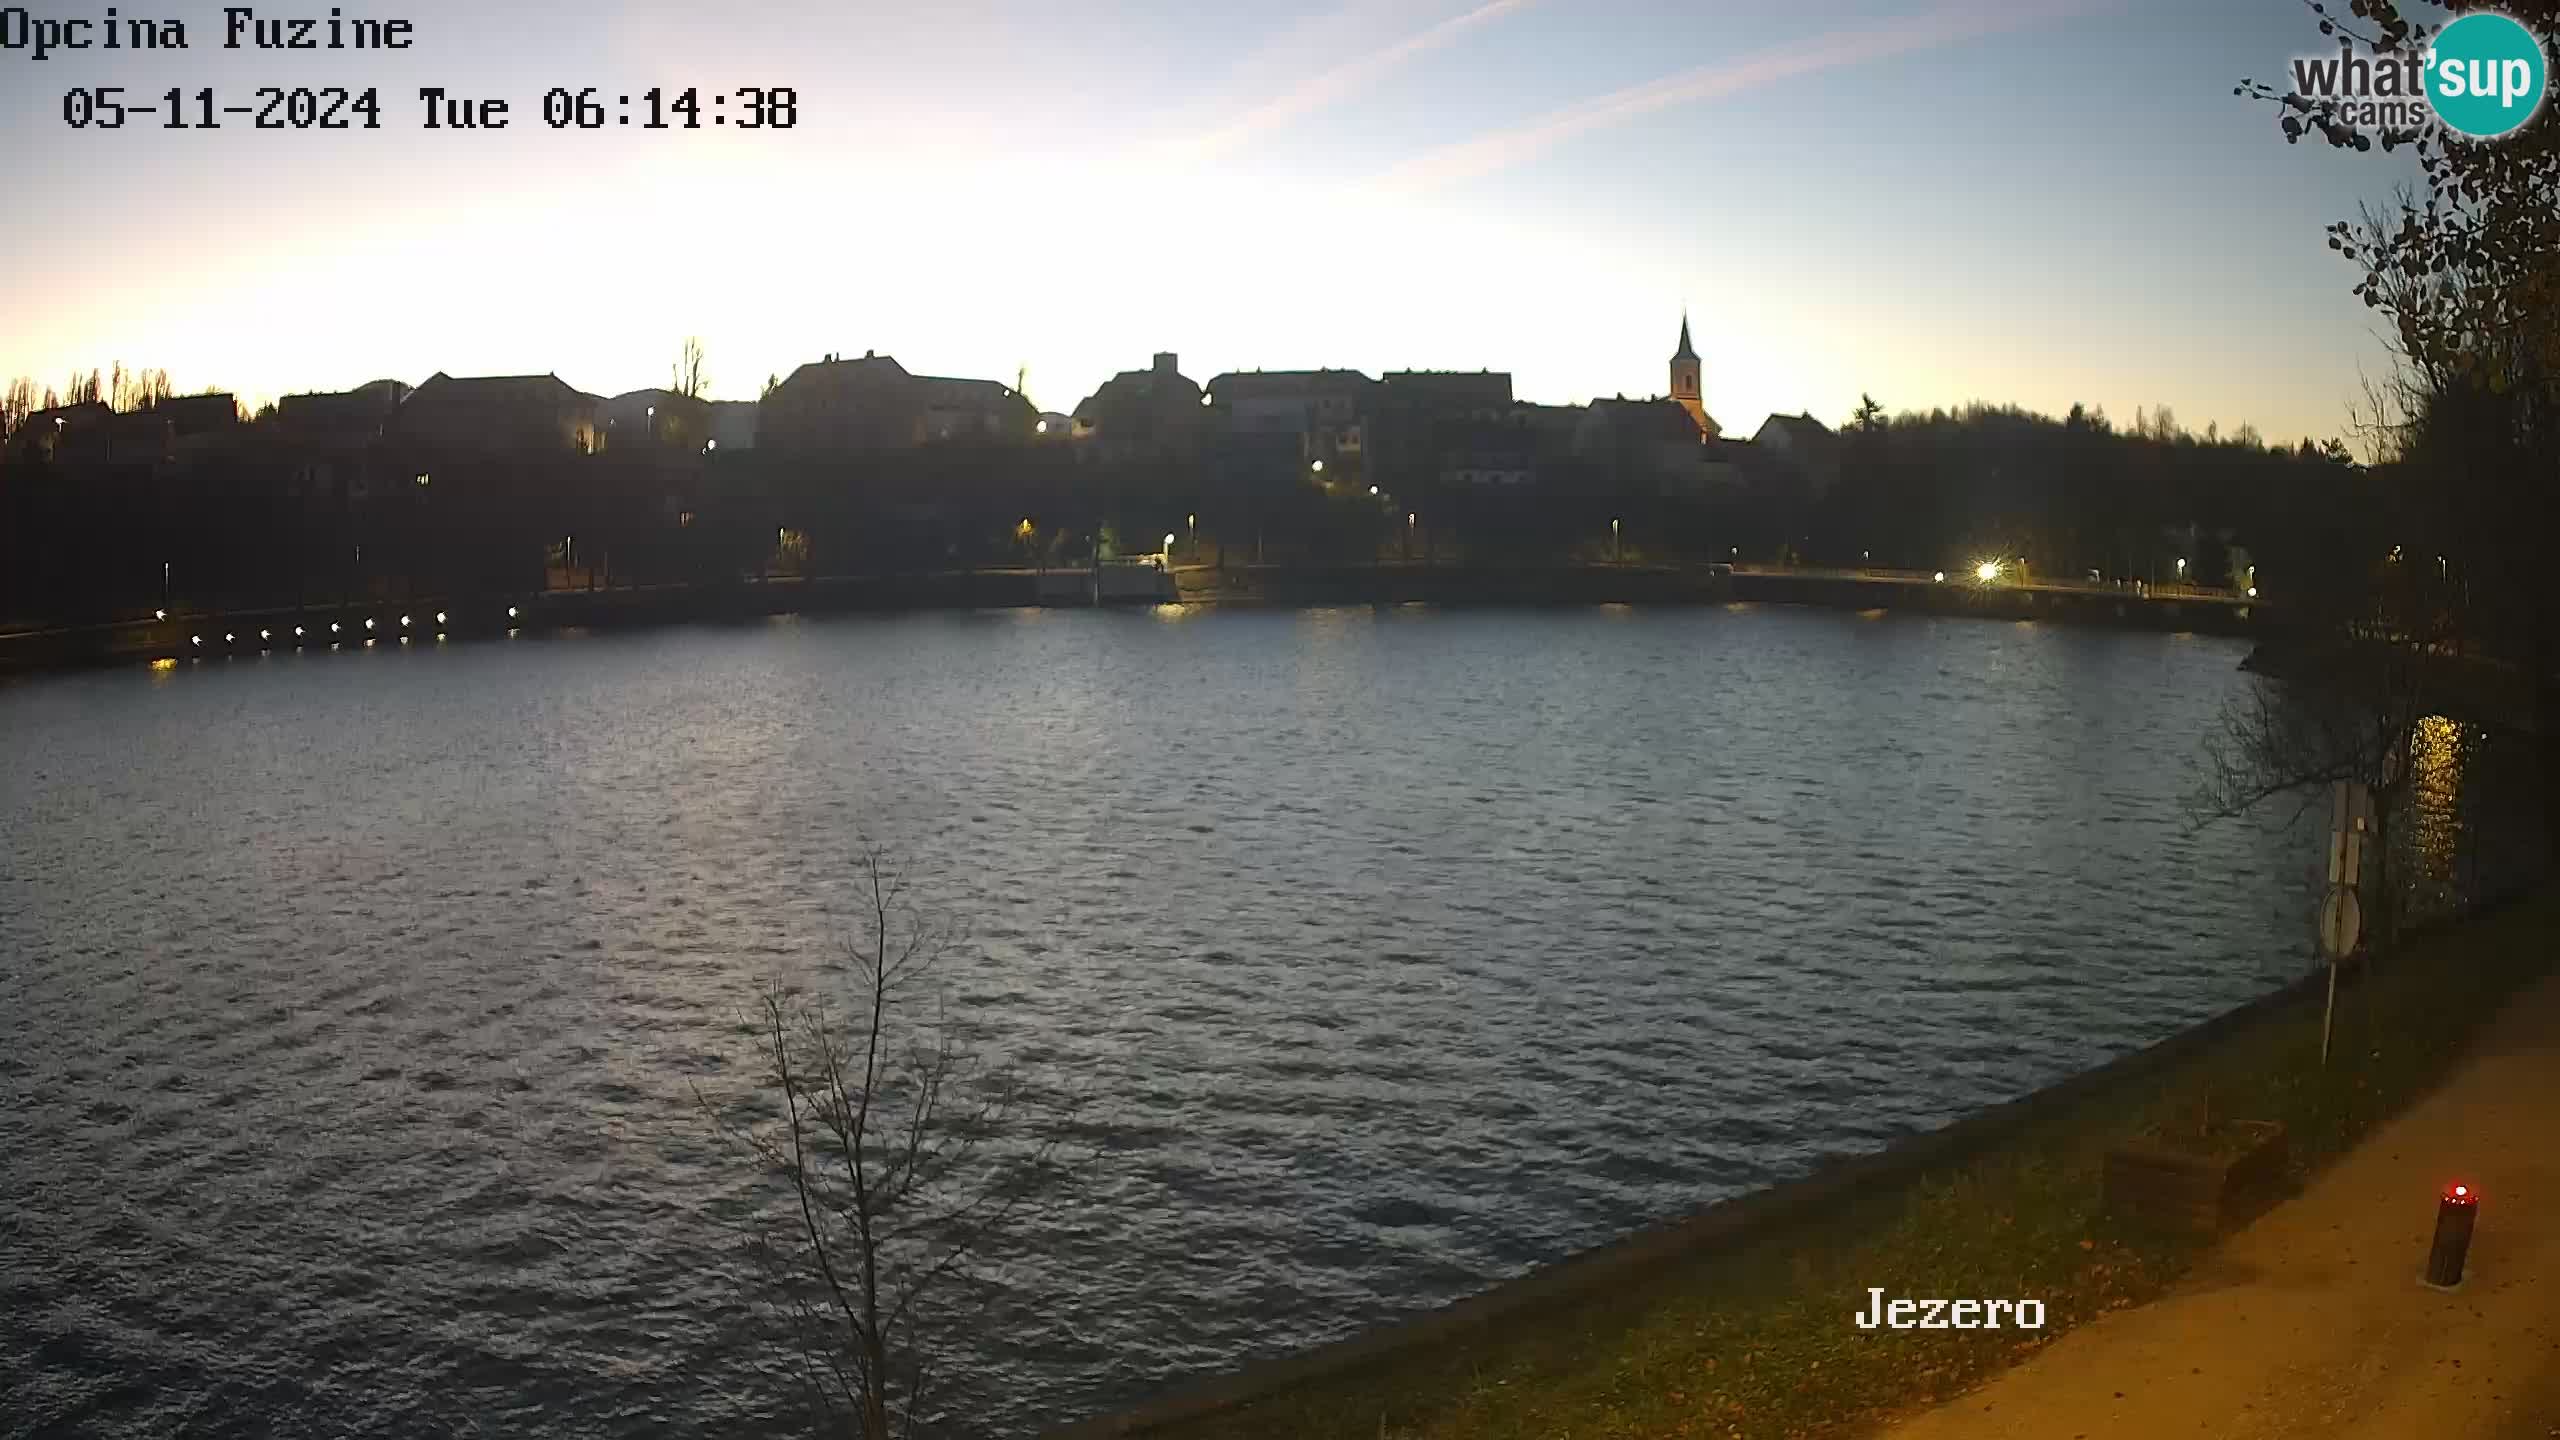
pixel 2311 1320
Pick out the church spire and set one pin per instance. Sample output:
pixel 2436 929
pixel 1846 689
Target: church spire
pixel 1684 352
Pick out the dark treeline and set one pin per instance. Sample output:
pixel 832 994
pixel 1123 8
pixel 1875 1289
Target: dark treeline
pixel 243 524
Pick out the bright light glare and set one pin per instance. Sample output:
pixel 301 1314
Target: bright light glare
pixel 404 622
pixel 159 614
pixel 439 617
pixel 1942 577
pixel 511 612
pixel 1987 570
pixel 2253 592
pixel 1319 467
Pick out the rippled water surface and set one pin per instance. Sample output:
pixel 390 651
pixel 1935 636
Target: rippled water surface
pixel 353 1007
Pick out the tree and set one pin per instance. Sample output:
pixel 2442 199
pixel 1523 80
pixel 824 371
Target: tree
pixel 900 1156
pixel 2363 673
pixel 691 379
pixel 2469 276
pixel 16 404
pixel 771 384
pixel 1869 416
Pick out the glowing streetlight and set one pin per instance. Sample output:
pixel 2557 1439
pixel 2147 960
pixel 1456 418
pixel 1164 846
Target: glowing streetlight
pixel 368 624
pixel 710 445
pixel 439 617
pixel 333 627
pixel 1940 577
pixel 2182 567
pixel 404 622
pixel 511 612
pixel 1317 468
pixel 266 635
pixel 159 614
pixel 2253 592
pixel 1987 571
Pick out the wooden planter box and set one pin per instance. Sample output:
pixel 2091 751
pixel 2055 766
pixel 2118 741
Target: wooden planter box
pixel 2153 1181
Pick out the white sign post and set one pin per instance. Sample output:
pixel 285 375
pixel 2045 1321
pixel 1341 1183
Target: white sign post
pixel 2341 915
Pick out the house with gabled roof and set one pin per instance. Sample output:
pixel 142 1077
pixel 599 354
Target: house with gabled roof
pixel 497 415
pixel 1155 412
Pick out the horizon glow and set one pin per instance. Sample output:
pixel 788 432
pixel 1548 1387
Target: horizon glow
pixel 1933 201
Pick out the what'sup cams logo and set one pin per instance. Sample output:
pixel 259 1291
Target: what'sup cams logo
pixel 2482 76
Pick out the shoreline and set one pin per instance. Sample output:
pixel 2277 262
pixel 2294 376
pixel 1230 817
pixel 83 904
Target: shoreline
pixel 2013 1183
pixel 236 631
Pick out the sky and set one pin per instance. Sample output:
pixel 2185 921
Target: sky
pixel 2037 202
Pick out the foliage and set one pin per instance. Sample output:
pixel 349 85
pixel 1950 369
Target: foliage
pixel 2468 274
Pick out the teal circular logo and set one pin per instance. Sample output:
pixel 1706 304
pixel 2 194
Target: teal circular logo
pixel 2486 75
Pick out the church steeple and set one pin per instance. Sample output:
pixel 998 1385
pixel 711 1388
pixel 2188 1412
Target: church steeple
pixel 1685 383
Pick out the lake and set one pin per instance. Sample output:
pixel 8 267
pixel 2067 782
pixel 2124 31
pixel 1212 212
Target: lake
pixel 358 1010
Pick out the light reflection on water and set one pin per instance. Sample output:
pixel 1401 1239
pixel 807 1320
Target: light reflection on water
pixel 353 1008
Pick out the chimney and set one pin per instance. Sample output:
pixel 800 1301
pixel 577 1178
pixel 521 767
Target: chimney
pixel 867 354
pixel 1167 362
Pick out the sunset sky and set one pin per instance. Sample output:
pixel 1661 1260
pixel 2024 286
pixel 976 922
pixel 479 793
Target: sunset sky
pixel 2036 201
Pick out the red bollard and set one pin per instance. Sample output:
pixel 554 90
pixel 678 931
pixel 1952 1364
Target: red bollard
pixel 2454 1216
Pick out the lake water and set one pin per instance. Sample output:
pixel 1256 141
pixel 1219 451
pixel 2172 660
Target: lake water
pixel 354 1006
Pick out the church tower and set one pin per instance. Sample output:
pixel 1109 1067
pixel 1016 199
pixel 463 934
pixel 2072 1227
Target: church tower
pixel 1684 384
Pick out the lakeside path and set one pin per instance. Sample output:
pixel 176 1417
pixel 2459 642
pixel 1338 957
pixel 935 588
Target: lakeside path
pixel 2310 1321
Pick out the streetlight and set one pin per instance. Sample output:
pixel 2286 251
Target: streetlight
pixel 1987 571
pixel 1613 539
pixel 2182 567
pixel 1373 489
pixel 1318 467
pixel 653 422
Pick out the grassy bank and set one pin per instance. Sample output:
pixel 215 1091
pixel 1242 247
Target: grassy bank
pixel 1760 1342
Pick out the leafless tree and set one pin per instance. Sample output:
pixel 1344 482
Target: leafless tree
pixel 16 404
pixel 2357 683
pixel 691 375
pixel 899 1155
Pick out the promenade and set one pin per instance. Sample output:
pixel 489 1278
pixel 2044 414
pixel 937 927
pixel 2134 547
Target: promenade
pixel 2311 1322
